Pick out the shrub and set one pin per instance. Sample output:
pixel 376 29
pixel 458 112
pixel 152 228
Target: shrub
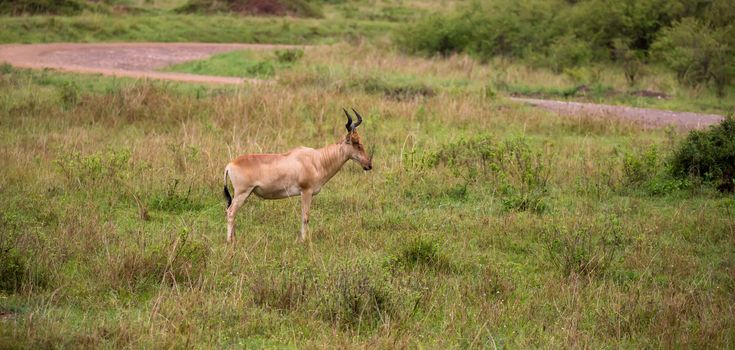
pixel 631 60
pixel 568 51
pixel 708 155
pixel 697 53
pixel 289 55
pixel 437 34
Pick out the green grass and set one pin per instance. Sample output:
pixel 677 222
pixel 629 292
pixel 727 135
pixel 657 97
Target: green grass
pixel 180 28
pixel 483 223
pixel 236 64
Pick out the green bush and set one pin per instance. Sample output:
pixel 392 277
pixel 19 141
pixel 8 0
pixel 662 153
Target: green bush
pixel 437 34
pixel 698 54
pixel 708 155
pixel 568 51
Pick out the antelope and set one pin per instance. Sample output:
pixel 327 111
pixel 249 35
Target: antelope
pixel 301 171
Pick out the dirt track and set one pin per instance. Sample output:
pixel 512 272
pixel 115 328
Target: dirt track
pixel 135 60
pixel 141 60
pixel 649 118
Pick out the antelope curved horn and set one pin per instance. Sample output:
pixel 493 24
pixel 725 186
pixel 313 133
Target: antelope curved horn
pixel 359 118
pixel 349 124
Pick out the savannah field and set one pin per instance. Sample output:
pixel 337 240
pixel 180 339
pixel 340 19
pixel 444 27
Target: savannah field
pixel 485 223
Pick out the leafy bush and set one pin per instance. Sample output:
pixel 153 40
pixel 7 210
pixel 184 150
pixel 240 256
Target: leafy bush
pixel 708 155
pixel 568 51
pixel 697 53
pixel 649 170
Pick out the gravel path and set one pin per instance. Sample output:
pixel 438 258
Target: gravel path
pixel 142 60
pixel 649 118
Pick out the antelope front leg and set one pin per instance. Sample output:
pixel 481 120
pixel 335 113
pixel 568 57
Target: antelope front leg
pixel 305 205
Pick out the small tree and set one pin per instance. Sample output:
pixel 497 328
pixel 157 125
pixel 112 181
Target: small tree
pixel 630 59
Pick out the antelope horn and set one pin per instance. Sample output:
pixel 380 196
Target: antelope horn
pixel 359 118
pixel 349 124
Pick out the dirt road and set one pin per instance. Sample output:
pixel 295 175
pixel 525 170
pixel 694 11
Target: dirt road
pixel 649 118
pixel 141 60
pixel 135 60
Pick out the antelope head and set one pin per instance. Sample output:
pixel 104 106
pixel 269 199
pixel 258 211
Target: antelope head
pixel 353 144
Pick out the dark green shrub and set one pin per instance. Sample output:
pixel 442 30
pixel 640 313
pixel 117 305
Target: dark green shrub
pixel 708 155
pixel 568 51
pixel 289 56
pixel 436 34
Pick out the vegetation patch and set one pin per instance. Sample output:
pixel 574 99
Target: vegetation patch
pixel 422 254
pixel 708 155
pixel 296 8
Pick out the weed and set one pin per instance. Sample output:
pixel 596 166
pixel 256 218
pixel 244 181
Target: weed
pixel 286 289
pixel 424 254
pixel 289 55
pixel 361 296
pixel 174 201
pixel 585 249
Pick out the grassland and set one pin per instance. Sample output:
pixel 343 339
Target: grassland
pixel 484 224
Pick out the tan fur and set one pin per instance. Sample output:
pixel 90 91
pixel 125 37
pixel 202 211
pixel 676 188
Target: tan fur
pixel 302 171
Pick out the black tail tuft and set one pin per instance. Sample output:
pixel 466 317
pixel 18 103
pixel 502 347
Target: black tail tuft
pixel 228 197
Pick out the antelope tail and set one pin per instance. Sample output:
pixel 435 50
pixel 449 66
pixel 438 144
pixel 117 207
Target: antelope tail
pixel 226 192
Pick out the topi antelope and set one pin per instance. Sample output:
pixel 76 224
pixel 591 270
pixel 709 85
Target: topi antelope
pixel 301 171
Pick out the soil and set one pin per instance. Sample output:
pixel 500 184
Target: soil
pixel 649 118
pixel 141 60
pixel 135 60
